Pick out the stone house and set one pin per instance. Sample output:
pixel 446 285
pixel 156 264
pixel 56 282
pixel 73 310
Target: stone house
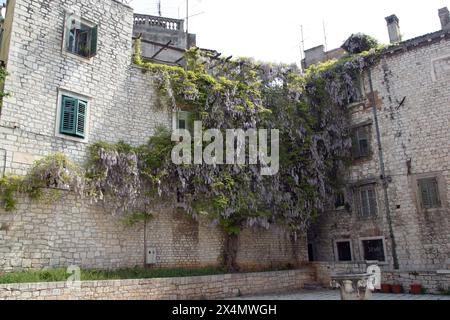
pixel 72 83
pixel 395 209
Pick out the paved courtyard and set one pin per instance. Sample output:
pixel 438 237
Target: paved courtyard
pixel 334 295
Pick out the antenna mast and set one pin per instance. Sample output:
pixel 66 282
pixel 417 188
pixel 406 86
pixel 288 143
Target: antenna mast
pixel 325 35
pixel 159 8
pixel 187 16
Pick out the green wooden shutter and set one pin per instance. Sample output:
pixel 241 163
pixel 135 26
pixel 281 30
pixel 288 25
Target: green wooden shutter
pixel 185 117
pixel 68 115
pixel 94 37
pixel 81 118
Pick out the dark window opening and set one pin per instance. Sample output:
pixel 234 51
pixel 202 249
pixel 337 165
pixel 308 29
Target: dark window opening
pixel 344 251
pixel 339 200
pixel 373 250
pixel 310 252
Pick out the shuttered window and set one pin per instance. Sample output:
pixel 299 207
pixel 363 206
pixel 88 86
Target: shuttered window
pixel 73 117
pixel 185 121
pixel 360 142
pixel 429 193
pixel 366 201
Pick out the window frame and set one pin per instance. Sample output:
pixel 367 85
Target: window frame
pixel 416 192
pixel 188 118
pixel 358 83
pixel 59 107
pixel 357 190
pixel 336 250
pixel 383 241
pixel 356 135
pixel 340 193
pixel 87 23
pixel 438 204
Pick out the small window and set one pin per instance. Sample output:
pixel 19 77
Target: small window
pixel 366 201
pixel 339 200
pixel 81 38
pixel 429 193
pixel 354 92
pixel 373 250
pixel 343 251
pixel 360 142
pixel 184 120
pixel 73 117
pixel 310 252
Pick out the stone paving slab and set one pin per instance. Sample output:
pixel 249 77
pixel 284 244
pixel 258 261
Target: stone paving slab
pixel 335 295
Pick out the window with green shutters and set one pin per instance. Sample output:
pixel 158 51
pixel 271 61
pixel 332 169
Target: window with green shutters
pixel 73 116
pixel 81 38
pixel 429 193
pixel 184 121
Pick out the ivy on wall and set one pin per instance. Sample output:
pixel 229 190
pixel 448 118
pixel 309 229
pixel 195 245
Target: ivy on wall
pixel 309 110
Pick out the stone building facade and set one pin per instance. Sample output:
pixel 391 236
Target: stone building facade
pixel 163 40
pixel 70 60
pixel 395 208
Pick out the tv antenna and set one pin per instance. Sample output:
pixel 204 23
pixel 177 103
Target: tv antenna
pixel 325 35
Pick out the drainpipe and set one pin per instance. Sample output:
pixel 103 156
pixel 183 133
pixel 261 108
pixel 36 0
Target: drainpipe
pixel 383 174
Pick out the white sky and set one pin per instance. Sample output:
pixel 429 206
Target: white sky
pixel 269 30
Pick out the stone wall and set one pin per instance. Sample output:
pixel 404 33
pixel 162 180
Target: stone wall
pixel 123 105
pixel 206 287
pixel 122 101
pixel 74 232
pixel 413 105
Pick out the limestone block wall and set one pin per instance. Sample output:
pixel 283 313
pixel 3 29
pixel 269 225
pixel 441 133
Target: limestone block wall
pixel 72 231
pixel 207 287
pixel 122 101
pixel 412 98
pixel 123 105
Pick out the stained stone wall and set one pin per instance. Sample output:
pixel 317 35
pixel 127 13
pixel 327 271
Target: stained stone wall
pixel 123 105
pixel 412 97
pixel 71 231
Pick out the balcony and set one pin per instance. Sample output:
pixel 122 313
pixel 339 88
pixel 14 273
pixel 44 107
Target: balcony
pixel 148 21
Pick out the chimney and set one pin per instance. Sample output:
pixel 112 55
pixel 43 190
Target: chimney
pixel 394 29
pixel 444 15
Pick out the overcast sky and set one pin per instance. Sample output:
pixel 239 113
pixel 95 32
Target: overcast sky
pixel 269 30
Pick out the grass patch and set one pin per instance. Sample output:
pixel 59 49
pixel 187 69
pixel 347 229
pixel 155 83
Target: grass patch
pixel 56 275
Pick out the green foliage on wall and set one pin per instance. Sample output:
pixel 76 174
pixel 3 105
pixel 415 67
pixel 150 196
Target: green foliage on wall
pixel 309 110
pixel 55 171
